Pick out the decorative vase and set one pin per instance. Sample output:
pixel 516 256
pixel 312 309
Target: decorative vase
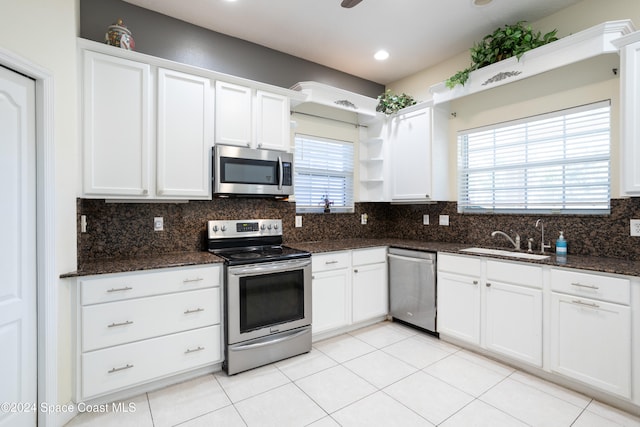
pixel 120 36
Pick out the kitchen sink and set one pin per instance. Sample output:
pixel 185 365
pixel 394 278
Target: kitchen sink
pixel 502 252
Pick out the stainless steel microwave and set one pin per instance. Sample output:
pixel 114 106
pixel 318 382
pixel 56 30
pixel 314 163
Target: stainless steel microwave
pixel 239 171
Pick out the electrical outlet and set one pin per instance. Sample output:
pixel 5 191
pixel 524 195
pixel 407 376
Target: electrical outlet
pixel 83 223
pixel 364 218
pixel 635 227
pixel 158 223
pixel 444 220
pixel 298 221
pixel 425 219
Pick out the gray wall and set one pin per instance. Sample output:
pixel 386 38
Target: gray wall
pixel 159 35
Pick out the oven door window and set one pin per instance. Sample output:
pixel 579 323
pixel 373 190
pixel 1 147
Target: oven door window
pixel 247 171
pixel 271 299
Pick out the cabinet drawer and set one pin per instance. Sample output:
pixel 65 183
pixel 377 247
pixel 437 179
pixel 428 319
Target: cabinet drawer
pixel 116 287
pixel 459 264
pixel 369 256
pixel 514 273
pixel 120 322
pixel 126 365
pixel 596 286
pixel 330 261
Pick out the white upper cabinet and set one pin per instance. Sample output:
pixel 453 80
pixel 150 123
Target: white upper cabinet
pixel 251 118
pixel 116 126
pixel 418 152
pixel 630 110
pixel 185 123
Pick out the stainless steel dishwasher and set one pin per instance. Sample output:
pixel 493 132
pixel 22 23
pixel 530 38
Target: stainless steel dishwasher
pixel 412 287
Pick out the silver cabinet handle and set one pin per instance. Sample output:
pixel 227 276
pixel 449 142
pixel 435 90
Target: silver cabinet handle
pixel 586 304
pixel 120 369
pixel 189 350
pixel 113 325
pixel 126 288
pixel 580 285
pixel 331 262
pixel 197 310
pixel 355 271
pixel 475 282
pixel 488 285
pixel 197 279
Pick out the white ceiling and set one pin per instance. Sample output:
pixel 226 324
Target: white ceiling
pixel 417 33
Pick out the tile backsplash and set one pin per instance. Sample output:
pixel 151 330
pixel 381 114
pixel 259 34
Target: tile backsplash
pixel 117 230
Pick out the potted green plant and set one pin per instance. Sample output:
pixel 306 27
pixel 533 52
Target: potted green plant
pixel 326 203
pixel 503 43
pixel 389 102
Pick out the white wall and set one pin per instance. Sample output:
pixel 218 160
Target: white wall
pixel 578 84
pixel 44 32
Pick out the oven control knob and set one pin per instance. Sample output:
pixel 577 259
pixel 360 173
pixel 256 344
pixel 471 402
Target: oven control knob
pixel 262 227
pixel 275 226
pixel 269 226
pixel 223 228
pixel 215 228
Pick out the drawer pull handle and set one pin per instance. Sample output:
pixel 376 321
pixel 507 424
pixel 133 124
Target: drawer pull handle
pixel 580 285
pixel 475 282
pixel 114 325
pixel 189 350
pixel 197 279
pixel 197 310
pixel 331 262
pixel 120 369
pixel 587 304
pixel 355 271
pixel 126 288
pixel 488 285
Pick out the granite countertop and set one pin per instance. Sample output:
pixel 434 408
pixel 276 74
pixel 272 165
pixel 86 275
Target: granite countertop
pixel 182 259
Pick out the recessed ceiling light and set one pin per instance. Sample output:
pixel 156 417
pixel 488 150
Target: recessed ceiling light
pixel 381 55
pixel 480 3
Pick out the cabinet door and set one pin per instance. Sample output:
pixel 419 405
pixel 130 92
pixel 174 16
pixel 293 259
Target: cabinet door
pixel 591 342
pixel 459 307
pixel 116 123
pixel 514 321
pixel 184 135
pixel 411 156
pixel 630 94
pixel 233 114
pixel 272 121
pixel 370 292
pixel 331 300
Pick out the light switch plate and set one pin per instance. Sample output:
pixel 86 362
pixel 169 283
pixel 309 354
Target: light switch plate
pixel 635 227
pixel 425 219
pixel 444 220
pixel 298 221
pixel 158 223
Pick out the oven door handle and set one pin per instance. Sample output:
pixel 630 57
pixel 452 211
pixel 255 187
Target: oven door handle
pixel 270 341
pixel 268 267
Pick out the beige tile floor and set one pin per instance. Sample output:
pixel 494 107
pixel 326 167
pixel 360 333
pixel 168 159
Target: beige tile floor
pixel 383 375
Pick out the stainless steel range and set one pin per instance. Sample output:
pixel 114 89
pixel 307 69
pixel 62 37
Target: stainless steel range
pixel 267 293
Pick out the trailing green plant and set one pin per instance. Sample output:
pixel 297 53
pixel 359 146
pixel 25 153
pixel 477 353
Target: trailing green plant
pixel 503 43
pixel 389 103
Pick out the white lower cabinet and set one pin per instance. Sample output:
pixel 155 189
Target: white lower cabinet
pixel 492 304
pixel 134 328
pixel 348 287
pixel 590 337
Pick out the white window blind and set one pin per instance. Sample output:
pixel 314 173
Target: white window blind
pixel 323 169
pixel 553 163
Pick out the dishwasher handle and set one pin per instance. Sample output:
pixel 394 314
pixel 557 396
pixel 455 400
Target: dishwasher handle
pixel 411 259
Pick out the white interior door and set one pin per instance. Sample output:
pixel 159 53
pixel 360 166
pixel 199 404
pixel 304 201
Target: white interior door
pixel 18 336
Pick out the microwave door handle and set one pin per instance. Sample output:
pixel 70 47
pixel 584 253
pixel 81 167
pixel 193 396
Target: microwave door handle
pixel 280 173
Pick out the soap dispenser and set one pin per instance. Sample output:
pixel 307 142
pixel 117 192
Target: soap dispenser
pixel 561 245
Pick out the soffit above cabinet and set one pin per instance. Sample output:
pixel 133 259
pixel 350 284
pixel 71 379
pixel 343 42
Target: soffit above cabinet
pixel 589 43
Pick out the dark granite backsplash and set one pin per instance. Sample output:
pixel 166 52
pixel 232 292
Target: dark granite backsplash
pixel 122 230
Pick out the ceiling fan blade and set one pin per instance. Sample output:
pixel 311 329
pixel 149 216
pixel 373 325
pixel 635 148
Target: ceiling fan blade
pixel 349 3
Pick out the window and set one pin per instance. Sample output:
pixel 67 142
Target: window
pixel 553 163
pixel 323 169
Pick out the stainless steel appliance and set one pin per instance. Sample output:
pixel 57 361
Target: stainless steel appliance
pixel 412 284
pixel 267 293
pixel 239 171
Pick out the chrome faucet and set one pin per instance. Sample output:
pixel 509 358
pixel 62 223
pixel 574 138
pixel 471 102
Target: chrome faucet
pixel 543 246
pixel 515 244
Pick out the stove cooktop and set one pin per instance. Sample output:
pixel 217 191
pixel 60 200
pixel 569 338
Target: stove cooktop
pixel 236 256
